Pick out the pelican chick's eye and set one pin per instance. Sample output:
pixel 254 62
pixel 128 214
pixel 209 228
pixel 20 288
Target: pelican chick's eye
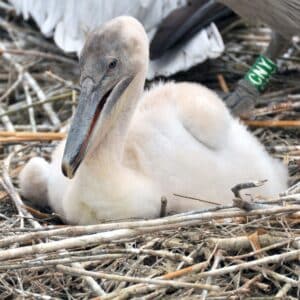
pixel 112 65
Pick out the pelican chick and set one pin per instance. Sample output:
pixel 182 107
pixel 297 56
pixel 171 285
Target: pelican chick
pixel 126 148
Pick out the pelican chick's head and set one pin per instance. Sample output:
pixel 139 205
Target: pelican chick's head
pixel 113 55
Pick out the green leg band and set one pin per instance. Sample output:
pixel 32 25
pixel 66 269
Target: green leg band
pixel 261 72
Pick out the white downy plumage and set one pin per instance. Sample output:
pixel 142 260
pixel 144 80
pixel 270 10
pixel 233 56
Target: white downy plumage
pixel 176 138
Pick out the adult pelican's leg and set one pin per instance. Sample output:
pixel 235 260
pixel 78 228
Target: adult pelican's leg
pixel 245 96
pixel 277 46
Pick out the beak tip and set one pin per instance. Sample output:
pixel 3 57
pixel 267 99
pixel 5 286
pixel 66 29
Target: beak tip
pixel 67 170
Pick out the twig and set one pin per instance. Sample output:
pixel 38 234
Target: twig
pixel 249 205
pixel 12 87
pixel 192 269
pixel 275 108
pixel 163 208
pixel 16 137
pixel 34 85
pixel 41 54
pixel 114 231
pixel 142 288
pixel 19 107
pixel 7 184
pixel 191 255
pixel 168 283
pixel 25 127
pixel 294 189
pixel 253 253
pixel 42 97
pixel 223 83
pixel 30 109
pixel 283 291
pixel 31 295
pixel 272 123
pixel 284 148
pixel 218 258
pixel 29 264
pixel 277 258
pixel 242 186
pixel 66 83
pixel 90 281
pixel 276 276
pixel 5 120
pixel 197 199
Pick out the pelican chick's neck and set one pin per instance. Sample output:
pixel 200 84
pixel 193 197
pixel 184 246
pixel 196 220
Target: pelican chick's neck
pixel 111 148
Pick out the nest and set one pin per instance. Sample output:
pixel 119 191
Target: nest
pixel 249 250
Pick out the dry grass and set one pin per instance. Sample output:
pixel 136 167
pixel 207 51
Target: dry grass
pixel 225 253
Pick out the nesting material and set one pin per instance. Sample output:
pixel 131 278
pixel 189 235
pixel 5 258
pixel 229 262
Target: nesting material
pixel 250 249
